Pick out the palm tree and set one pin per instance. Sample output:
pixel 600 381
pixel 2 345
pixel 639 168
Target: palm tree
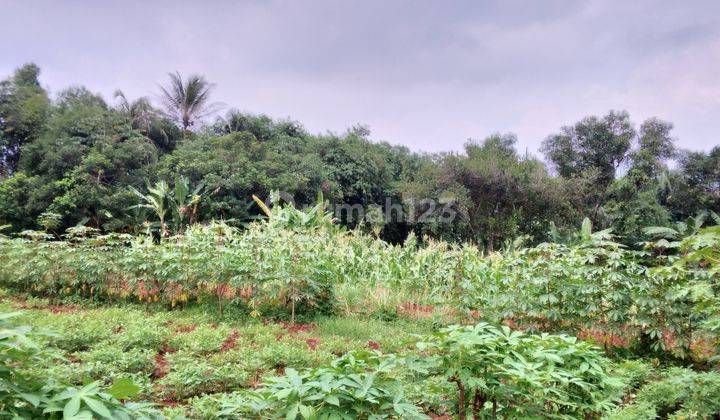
pixel 139 113
pixel 188 101
pixel 143 117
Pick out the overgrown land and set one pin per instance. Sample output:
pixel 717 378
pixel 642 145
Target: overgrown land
pixel 142 277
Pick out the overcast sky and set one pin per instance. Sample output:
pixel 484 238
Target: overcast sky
pixel 426 74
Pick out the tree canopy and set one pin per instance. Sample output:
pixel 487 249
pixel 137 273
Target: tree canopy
pixel 76 159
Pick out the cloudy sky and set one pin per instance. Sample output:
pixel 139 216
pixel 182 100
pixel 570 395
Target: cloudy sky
pixel 426 74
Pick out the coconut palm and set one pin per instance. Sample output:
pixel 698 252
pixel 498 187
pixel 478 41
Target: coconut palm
pixel 139 112
pixel 187 101
pixel 143 117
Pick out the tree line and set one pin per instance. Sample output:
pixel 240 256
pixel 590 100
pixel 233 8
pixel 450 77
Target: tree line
pixel 75 159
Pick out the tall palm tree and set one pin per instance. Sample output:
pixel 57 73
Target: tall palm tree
pixel 187 101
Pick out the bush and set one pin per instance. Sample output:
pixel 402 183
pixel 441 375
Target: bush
pixel 508 373
pixel 359 383
pixel 683 393
pixel 26 396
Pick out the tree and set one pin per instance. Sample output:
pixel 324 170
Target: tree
pixel 592 143
pixel 655 146
pixel 24 110
pixel 497 193
pixel 186 102
pixel 81 164
pixel 633 201
pixel 695 185
pixel 590 153
pixel 143 117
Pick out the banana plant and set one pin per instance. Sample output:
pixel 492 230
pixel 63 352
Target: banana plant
pixel 174 208
pixel 665 237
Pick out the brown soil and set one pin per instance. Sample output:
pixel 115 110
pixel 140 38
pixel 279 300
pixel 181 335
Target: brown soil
pixel 312 343
pixel 161 364
pixel 230 342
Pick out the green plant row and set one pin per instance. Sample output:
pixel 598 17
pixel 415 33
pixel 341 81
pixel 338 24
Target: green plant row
pixel 596 288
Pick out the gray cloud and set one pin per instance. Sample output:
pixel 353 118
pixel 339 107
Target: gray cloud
pixel 426 74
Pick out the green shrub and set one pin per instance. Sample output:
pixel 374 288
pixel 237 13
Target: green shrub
pixel 641 411
pixel 683 392
pixel 106 361
pixel 190 376
pixel 508 373
pixel 26 396
pixel 633 372
pixel 358 384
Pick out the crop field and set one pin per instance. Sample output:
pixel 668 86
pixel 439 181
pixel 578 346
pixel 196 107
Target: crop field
pixel 297 318
pixel 487 210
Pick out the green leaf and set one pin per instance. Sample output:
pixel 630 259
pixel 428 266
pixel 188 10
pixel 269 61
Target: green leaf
pixel 31 398
pixel 72 407
pixel 292 412
pixel 123 388
pixel 332 400
pixel 97 406
pixel 305 411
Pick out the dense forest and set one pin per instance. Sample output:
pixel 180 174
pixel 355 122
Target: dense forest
pixel 76 159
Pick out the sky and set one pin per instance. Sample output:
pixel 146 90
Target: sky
pixel 426 74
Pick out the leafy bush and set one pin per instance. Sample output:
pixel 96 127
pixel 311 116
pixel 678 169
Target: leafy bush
pixel 508 373
pixel 633 372
pixel 359 385
pixel 25 396
pixel 683 393
pixel 679 394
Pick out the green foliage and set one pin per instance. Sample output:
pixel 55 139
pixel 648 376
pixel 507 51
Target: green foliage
pixel 174 208
pixel 495 193
pixel 31 396
pixel 507 373
pixel 595 288
pixel 358 385
pixel 76 157
pixel 682 393
pixel 24 109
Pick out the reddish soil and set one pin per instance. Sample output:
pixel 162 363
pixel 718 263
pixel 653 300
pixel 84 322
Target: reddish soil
pixel 297 328
pixel 414 310
pixel 185 328
pixel 61 309
pixel 312 343
pixel 293 329
pixel 161 364
pixel 56 309
pixel 231 341
pixel 169 402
